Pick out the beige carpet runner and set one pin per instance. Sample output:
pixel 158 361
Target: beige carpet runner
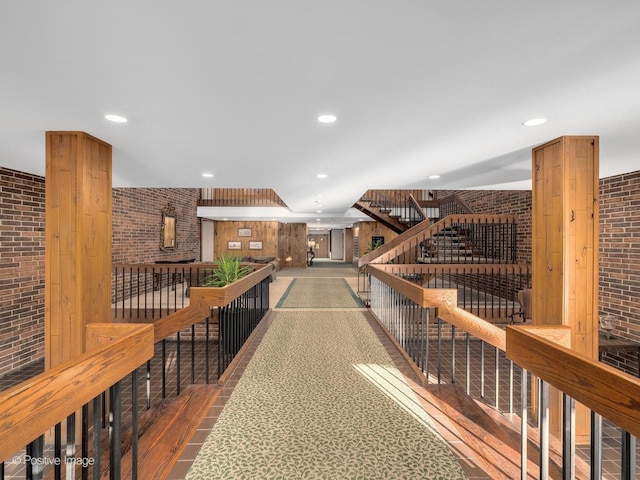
pixel 322 399
pixel 319 293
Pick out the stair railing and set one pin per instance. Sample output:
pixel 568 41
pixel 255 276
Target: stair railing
pixel 432 329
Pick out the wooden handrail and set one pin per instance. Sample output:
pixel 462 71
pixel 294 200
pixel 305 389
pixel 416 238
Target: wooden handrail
pixel 397 246
pixel 606 390
pixel 457 200
pixel 203 299
pixel 417 206
pixel 543 352
pixel 35 405
pixel 445 300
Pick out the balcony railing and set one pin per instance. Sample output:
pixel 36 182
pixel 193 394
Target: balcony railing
pixel 432 329
pixel 142 363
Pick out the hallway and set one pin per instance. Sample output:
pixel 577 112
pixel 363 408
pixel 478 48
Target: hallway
pixel 332 350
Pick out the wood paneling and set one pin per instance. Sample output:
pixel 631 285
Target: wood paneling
pixel 78 241
pixel 366 230
pixel 293 245
pixel 321 247
pixel 565 247
pixel 265 232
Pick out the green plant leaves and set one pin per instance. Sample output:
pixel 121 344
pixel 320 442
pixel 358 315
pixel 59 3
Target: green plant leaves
pixel 228 269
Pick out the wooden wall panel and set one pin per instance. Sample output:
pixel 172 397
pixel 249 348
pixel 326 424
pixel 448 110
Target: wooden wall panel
pixel 78 241
pixel 265 232
pixel 366 230
pixel 293 245
pixel 322 244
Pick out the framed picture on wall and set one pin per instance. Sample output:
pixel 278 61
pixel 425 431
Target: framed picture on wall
pixel 234 246
pixel 244 232
pixel 255 245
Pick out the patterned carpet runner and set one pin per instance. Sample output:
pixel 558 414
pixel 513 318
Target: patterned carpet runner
pixel 321 398
pixel 318 293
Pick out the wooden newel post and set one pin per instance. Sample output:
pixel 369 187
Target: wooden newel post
pixel 78 241
pixel 565 249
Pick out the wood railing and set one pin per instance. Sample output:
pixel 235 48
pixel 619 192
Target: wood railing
pixel 404 308
pixel 30 409
pixel 407 247
pixel 239 197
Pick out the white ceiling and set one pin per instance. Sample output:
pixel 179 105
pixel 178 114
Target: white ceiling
pixel 234 88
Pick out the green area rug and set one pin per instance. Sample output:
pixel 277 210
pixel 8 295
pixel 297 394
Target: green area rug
pixel 321 398
pixel 319 293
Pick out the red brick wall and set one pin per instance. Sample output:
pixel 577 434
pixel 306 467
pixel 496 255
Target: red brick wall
pixel 505 202
pixel 137 219
pixel 21 269
pixel 619 292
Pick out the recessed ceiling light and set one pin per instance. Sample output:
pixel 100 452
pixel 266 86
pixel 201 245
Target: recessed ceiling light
pixel 322 175
pixel 318 211
pixel 327 118
pixel 115 118
pixel 433 177
pixel 534 122
pixel 207 175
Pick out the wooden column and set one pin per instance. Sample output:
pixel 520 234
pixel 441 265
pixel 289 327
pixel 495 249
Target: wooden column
pixel 78 241
pixel 565 247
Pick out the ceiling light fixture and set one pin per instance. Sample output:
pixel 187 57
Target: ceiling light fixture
pixel 534 122
pixel 327 118
pixel 115 118
pixel 207 175
pixel 433 177
pixel 322 175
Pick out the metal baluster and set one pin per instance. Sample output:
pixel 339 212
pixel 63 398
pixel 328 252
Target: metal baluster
pixel 71 445
pixel 524 434
pixel 57 451
pixel 206 348
pixel 544 430
pixel 97 419
pixel 453 354
pixel 497 383
pixel 439 350
pixel 511 386
pixel 177 363
pixel 481 368
pixel 115 459
pixel 193 353
pixel 568 437
pixel 148 382
pixel 134 425
pixel 628 461
pixel 164 368
pixel 85 441
pixel 468 360
pixel 596 446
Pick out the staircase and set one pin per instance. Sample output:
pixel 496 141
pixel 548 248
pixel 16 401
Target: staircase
pixel 451 245
pixel 397 210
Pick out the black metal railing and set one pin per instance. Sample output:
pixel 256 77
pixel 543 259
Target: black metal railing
pixel 87 438
pixel 477 360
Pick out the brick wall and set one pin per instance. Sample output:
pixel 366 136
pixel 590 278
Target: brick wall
pixel 137 219
pixel 21 269
pixel 619 292
pixel 504 202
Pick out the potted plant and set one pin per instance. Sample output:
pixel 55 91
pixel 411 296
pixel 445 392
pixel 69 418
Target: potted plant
pixel 228 269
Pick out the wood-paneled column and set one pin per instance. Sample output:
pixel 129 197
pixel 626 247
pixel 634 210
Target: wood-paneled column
pixel 565 246
pixel 78 241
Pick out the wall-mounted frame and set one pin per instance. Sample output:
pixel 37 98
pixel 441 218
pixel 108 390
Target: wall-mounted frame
pixel 244 232
pixel 255 245
pixel 234 245
pixel 168 239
